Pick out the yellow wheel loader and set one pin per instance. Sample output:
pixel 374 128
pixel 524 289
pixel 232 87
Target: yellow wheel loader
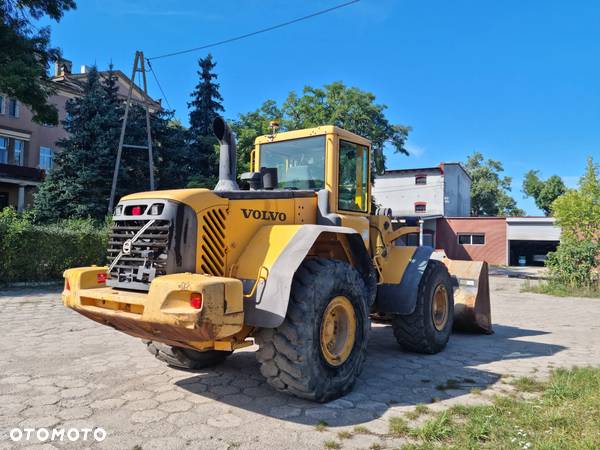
pixel 296 263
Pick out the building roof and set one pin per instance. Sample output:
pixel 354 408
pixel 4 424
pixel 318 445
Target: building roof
pixel 74 83
pixel 438 169
pixel 511 219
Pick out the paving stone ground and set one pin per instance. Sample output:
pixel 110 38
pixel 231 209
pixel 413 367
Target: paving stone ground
pixel 58 369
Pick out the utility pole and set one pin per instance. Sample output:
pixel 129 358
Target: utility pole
pixel 138 66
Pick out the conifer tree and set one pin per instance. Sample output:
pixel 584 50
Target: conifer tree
pixel 79 184
pixel 205 106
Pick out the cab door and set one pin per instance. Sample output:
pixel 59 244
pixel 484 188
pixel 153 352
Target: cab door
pixel 353 202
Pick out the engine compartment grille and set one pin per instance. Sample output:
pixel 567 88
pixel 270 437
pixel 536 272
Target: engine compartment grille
pixel 147 255
pixel 212 246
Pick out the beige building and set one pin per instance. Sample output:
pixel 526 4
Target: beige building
pixel 27 149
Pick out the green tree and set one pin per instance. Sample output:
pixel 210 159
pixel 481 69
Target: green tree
pixel 249 126
pixel 543 192
pixel 578 210
pixel 576 262
pixel 334 104
pixel 79 186
pixel 205 106
pixel 25 53
pixel 489 189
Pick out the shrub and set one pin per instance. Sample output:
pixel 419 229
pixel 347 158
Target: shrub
pixel 35 252
pixel 575 263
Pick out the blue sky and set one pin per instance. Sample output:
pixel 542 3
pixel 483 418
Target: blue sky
pixel 518 81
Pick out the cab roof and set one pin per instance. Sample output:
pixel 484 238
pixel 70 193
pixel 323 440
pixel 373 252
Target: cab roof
pixel 309 132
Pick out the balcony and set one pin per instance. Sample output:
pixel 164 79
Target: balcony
pixel 21 173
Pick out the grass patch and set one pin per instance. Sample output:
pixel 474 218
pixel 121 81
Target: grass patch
pixel 475 391
pixel 398 426
pixel 333 445
pixel 528 384
pixel 565 414
pixel 422 409
pixel 419 410
pixel 375 446
pixel 560 290
pixel 321 425
pixel 435 429
pixel 360 429
pixel 344 435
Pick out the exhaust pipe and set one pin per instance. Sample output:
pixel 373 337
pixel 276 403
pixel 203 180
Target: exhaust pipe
pixel 227 156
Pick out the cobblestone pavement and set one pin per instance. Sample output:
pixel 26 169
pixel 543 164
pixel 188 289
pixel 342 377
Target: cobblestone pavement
pixel 59 369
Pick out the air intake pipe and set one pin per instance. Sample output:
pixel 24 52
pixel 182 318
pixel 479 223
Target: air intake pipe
pixel 227 156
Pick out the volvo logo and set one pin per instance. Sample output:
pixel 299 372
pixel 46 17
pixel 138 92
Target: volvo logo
pixel 264 215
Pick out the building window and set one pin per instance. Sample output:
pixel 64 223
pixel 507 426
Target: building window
pixel 421 179
pixel 3 150
pixel 13 107
pixel 19 153
pixel 1 104
pixel 471 239
pixel 45 158
pixel 420 207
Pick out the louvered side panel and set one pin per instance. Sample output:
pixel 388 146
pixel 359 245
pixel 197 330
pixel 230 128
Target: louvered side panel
pixel 212 242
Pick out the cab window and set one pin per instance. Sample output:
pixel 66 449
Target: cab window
pixel 353 177
pixel 300 163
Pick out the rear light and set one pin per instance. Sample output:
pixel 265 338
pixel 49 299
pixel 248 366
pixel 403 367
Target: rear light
pixel 67 285
pixel 196 300
pixel 136 211
pixel 101 277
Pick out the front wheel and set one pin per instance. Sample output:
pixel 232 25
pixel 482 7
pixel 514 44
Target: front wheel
pixel 428 328
pixel 320 348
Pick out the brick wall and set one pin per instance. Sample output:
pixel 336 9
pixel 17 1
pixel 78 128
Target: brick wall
pixel 494 229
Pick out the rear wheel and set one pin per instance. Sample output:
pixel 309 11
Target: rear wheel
pixel 185 358
pixel 319 349
pixel 428 328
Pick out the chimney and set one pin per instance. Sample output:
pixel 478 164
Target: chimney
pixel 85 68
pixel 62 67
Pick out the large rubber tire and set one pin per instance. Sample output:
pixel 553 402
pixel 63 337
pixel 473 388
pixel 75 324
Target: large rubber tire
pixel 416 332
pixel 290 355
pixel 185 358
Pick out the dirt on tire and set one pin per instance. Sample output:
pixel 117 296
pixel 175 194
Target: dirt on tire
pixel 290 355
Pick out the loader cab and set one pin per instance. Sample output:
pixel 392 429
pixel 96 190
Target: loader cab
pixel 319 158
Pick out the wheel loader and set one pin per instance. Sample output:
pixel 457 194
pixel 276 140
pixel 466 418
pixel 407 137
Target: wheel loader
pixel 297 263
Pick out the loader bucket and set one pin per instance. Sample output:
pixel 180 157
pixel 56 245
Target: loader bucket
pixel 472 310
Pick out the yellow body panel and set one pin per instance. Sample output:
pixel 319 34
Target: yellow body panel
pixel 165 309
pixel 262 251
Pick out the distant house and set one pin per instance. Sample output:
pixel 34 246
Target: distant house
pixel 439 200
pixel 426 193
pixel 27 149
pixel 443 190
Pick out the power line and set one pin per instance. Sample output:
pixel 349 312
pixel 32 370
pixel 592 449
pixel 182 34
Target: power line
pixel 254 33
pixel 158 83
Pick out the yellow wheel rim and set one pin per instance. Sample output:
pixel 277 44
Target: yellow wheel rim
pixel 338 331
pixel 439 307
